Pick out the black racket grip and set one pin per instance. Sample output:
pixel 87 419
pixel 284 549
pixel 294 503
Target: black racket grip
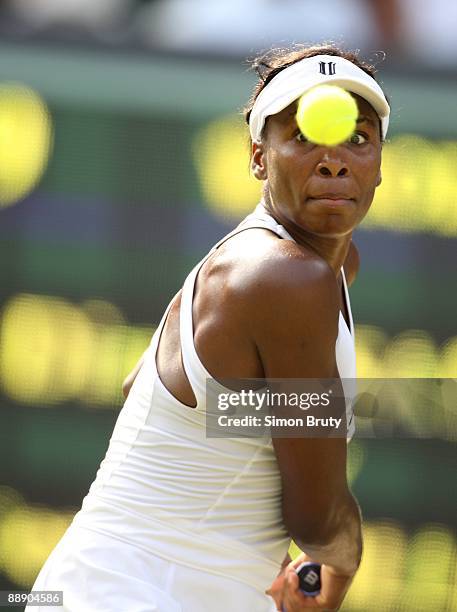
pixel 309 576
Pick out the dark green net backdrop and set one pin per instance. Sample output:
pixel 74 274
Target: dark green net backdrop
pixel 145 167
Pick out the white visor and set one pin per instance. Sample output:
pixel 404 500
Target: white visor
pixel 292 82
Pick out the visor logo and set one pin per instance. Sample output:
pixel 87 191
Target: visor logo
pixel 327 68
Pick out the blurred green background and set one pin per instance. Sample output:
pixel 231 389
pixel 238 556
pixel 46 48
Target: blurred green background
pixel 117 172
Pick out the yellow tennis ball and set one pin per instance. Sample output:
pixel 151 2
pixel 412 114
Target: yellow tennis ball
pixel 327 115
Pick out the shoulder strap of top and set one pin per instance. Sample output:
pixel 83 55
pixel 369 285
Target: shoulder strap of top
pixel 348 302
pixel 261 216
pixel 195 370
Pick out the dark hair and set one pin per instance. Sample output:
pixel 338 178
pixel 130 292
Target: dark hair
pixel 272 62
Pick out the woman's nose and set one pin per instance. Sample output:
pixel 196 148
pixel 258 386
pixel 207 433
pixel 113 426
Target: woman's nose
pixel 332 167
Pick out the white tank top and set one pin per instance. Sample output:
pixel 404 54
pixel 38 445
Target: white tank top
pixel 210 503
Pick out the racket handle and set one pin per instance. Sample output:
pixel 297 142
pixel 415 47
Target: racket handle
pixel 309 576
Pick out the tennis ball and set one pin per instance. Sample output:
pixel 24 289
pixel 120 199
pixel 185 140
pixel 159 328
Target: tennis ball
pixel 327 115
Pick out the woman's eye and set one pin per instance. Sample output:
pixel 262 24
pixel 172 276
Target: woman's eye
pixel 358 138
pixel 300 137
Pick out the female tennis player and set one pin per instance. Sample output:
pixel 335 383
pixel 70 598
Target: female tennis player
pixel 176 521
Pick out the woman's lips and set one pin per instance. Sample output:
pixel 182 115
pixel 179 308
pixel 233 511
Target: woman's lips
pixel 332 200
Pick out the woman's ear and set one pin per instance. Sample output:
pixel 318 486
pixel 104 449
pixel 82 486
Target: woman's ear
pixel 379 179
pixel 258 166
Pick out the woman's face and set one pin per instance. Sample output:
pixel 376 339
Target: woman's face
pixel 327 191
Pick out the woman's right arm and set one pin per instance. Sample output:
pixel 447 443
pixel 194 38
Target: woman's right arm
pixel 295 333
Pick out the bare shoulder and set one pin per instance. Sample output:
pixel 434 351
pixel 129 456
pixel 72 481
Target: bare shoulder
pixel 284 296
pixel 273 274
pixel 262 256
